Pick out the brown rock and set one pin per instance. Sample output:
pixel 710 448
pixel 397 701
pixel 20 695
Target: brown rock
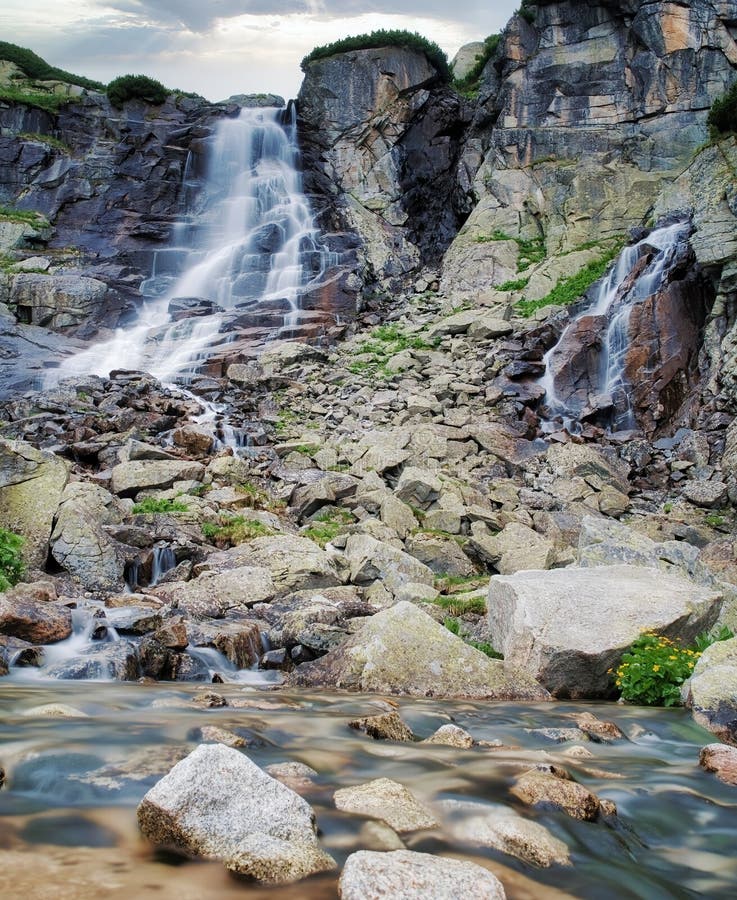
pixel 547 791
pixel 34 621
pixel 387 727
pixel 721 759
pixel 597 729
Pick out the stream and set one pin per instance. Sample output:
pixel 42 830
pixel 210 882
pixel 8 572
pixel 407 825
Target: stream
pixel 68 809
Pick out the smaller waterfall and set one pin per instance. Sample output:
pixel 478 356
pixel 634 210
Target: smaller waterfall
pixel 600 384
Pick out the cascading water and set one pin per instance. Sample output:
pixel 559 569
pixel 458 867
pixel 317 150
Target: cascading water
pixel 249 257
pixel 639 272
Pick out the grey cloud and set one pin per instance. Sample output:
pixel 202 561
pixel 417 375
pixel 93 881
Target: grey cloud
pixel 198 16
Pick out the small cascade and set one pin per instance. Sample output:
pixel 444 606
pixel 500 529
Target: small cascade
pixel 238 269
pixel 585 372
pixel 149 573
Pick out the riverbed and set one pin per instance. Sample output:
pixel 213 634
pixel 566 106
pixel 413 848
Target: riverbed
pixel 68 809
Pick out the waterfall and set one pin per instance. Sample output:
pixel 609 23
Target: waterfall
pixel 600 384
pixel 248 258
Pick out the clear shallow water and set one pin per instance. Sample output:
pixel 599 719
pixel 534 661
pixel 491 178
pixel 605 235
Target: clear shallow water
pixel 59 827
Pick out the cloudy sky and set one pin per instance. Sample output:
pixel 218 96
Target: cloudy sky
pixel 223 47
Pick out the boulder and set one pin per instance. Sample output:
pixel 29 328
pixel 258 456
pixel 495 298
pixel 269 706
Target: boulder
pixel 213 594
pixel 31 485
pixel 442 555
pixel 370 560
pixel 219 804
pixel 515 548
pixel 711 691
pixel 402 650
pixel 503 829
pixel 387 800
pixel 128 478
pixel 603 542
pixel 117 660
pixel 36 621
pixel 568 627
pixel 707 494
pixel 418 487
pixel 79 542
pixel 369 875
pixel 295 563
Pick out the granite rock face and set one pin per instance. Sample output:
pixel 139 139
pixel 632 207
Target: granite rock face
pixel 381 135
pixel 403 651
pixel 569 627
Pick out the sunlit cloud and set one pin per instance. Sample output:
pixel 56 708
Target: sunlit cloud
pixel 225 47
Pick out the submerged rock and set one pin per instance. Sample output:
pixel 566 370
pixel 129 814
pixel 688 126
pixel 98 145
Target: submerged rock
pixel 368 875
pixel 403 651
pixel 568 627
pixel 387 800
pixel 550 791
pixel 219 804
pixel 386 727
pixel 505 830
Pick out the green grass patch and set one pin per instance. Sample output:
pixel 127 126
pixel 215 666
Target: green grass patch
pixel 454 626
pixel 407 40
pixel 47 139
pixel 458 606
pixel 570 289
pixel 22 216
pixel 11 564
pixel 327 526
pixel 307 449
pixel 39 99
pixel 518 285
pixel 154 505
pixel 229 532
pixel 385 342
pixel 36 67
pixel 531 250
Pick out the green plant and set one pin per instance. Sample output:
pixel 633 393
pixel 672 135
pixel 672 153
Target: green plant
pixel 47 101
pixel 47 139
pixel 527 11
pixel 23 216
pixel 723 113
pixel 253 495
pixel 155 505
pixel 231 531
pixel 531 250
pixel 407 40
pixel 570 289
pixel 707 638
pixel 11 565
pixel 136 87
pixel 714 520
pixel 457 606
pixel 385 342
pixel 454 626
pixel 307 449
pixel 328 525
pixel 668 507
pixel 519 285
pixel 36 67
pixel 653 669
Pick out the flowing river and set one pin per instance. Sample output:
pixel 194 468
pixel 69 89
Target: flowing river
pixel 72 786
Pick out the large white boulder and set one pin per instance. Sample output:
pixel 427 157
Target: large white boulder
pixel 219 804
pixel 568 627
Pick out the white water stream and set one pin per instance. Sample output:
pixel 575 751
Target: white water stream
pixel 254 247
pixel 618 293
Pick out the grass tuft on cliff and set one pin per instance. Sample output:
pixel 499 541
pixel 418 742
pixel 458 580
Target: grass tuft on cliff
pixel 36 67
pixel 407 40
pixel 723 114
